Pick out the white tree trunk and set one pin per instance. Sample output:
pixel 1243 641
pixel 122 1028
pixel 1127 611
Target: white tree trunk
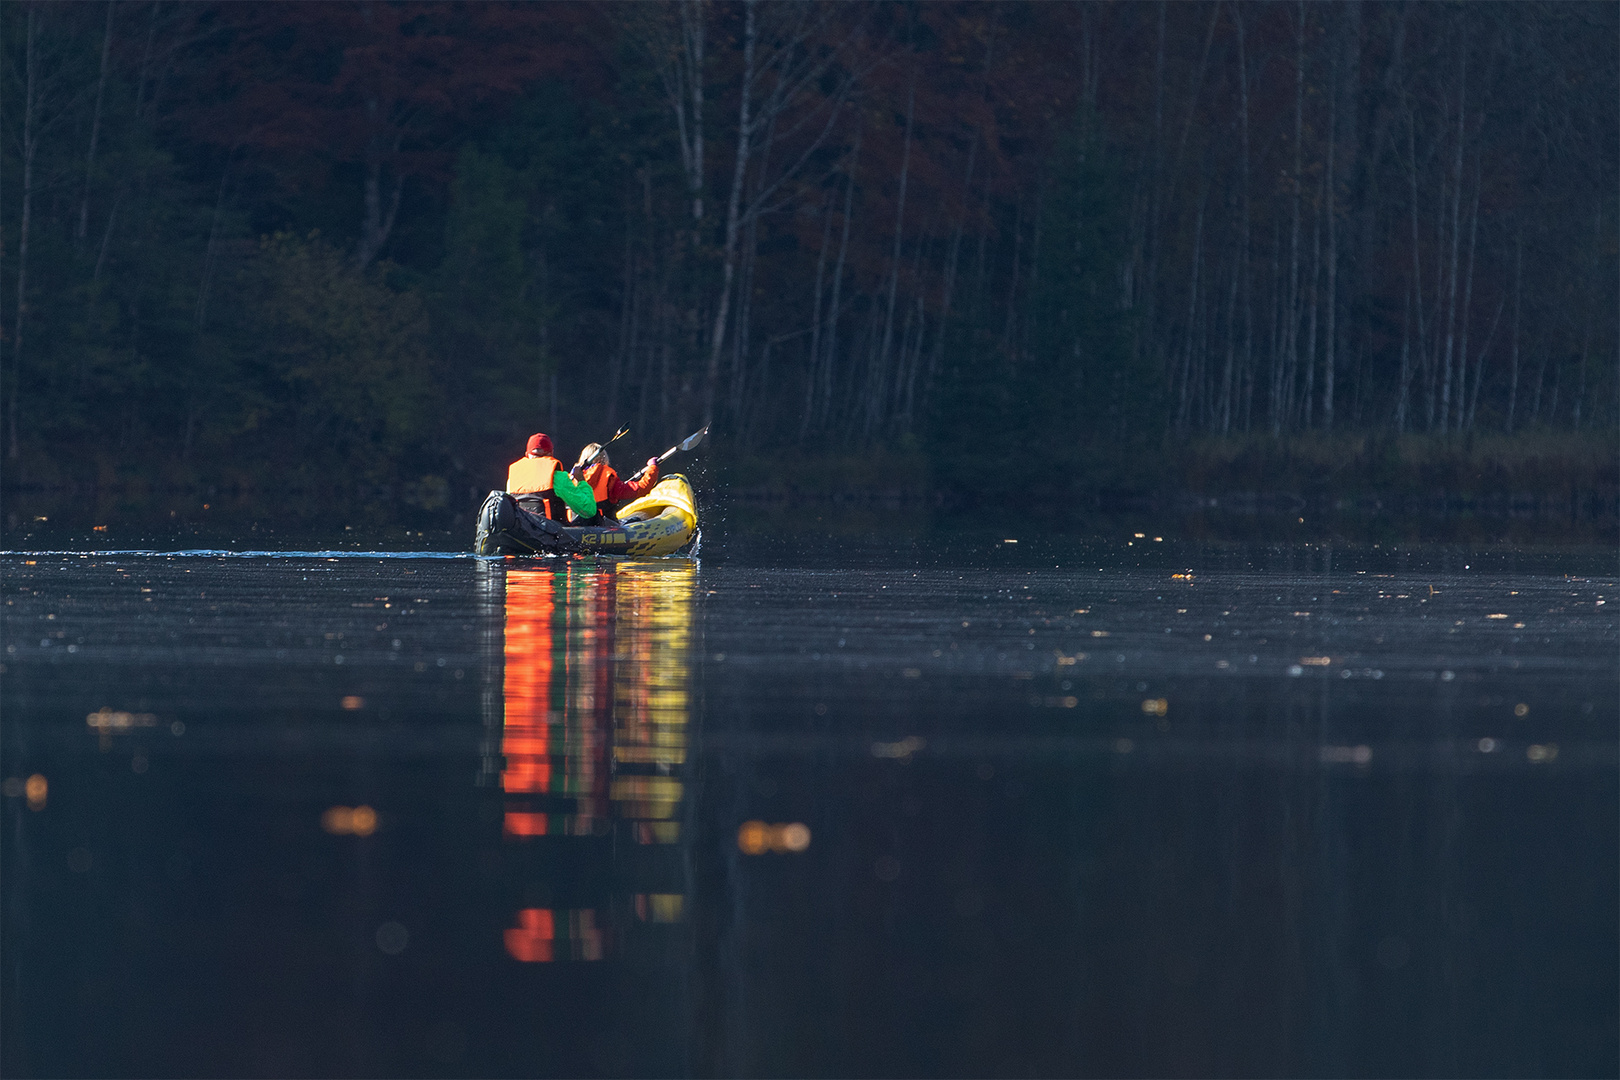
pixel 880 383
pixel 95 129
pixel 739 173
pixel 1330 344
pixel 30 147
pixel 1314 293
pixel 1518 293
pixel 1291 345
pixel 813 362
pixel 1456 239
pixel 1403 394
pixel 1467 306
pixel 828 369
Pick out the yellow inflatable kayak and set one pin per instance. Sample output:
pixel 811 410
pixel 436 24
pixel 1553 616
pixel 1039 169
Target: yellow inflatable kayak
pixel 661 522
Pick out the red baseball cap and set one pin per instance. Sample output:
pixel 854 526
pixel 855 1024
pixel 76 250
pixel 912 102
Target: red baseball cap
pixel 539 444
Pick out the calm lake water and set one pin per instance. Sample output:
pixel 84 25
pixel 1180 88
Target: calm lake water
pixel 968 808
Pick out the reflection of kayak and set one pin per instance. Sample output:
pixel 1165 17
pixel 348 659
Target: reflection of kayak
pixel 661 522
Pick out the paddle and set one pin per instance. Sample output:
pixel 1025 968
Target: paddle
pixel 617 435
pixel 685 444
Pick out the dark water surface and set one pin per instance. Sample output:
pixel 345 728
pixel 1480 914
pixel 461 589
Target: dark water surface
pixel 1037 809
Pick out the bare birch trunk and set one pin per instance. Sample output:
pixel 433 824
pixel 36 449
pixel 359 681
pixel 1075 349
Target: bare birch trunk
pixel 1456 243
pixel 733 209
pixel 908 411
pixel 879 384
pixel 30 147
pixel 976 308
pixel 1012 286
pixel 140 98
pixel 867 344
pixel 1467 422
pixel 948 288
pixel 377 224
pixel 1417 260
pixel 1279 331
pixel 146 58
pixel 1558 383
pixel 1518 293
pixel 1149 287
pixel 208 252
pixel 1034 277
pixel 1467 305
pixel 95 130
pixel 1580 391
pixel 742 334
pixel 1329 359
pixel 1285 401
pixel 1248 240
pixel 1192 312
pixel 1314 293
pixel 911 343
pixel 828 372
pixel 106 240
pixel 1541 380
pixel 1223 408
pixel 813 361
pixel 750 262
pixel 677 55
pixel 1404 391
pixel 692 26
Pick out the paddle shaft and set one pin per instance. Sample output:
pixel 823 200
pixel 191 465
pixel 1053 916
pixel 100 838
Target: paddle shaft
pixel 685 444
pixel 602 448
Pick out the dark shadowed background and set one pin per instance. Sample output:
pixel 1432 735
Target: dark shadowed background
pixel 1042 254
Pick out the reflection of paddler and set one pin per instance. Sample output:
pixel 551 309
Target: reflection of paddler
pixel 540 696
pixel 597 701
pixel 526 736
pixel 652 698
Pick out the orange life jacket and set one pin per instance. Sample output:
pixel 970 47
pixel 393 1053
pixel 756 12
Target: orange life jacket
pixel 531 475
pixel 601 478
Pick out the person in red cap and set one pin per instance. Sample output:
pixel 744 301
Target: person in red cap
pixel 541 485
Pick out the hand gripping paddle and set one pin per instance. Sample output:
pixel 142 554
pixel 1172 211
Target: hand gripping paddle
pixel 685 444
pixel 617 435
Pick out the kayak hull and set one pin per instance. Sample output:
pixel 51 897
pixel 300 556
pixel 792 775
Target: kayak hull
pixel 662 522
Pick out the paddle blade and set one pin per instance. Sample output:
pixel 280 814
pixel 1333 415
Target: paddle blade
pixel 694 438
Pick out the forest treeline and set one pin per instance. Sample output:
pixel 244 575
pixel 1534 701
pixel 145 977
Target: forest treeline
pixel 371 242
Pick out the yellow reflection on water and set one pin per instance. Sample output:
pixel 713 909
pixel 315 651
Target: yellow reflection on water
pixel 595 701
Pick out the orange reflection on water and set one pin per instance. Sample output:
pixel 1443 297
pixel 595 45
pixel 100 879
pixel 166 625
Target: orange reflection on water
pixel 526 741
pixel 346 821
pixel 756 837
pixel 596 698
pixel 595 702
pixel 543 935
pixel 524 823
pixel 531 940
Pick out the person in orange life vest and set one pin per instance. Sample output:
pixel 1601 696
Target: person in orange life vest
pixel 594 468
pixel 539 484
